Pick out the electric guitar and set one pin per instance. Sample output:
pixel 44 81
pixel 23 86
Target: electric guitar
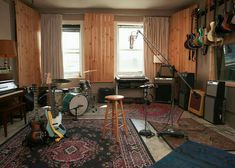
pixel 222 27
pixel 211 35
pixel 54 126
pixel 37 133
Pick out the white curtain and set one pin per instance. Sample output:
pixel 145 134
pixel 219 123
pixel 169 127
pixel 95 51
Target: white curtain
pixel 52 58
pixel 156 29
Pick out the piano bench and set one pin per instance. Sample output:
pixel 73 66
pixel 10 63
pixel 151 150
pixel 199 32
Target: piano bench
pixel 9 111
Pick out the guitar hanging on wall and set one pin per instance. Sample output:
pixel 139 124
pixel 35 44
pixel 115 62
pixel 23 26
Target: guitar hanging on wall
pixel 211 35
pixel 194 41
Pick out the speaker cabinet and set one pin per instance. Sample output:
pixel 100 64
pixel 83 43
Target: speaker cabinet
pixel 163 93
pixel 164 89
pixel 183 99
pixel 215 89
pixel 102 92
pixel 214 108
pixel 196 102
pixel 189 78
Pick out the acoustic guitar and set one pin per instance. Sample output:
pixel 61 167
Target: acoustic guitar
pixel 54 126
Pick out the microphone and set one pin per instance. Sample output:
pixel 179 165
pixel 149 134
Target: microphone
pixel 131 39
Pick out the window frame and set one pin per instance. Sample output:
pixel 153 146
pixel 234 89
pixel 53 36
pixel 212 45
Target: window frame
pixel 81 57
pixel 118 50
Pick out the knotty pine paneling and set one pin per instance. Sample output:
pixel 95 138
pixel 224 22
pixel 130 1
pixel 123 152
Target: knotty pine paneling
pixel 99 46
pixel 180 26
pixel 28 44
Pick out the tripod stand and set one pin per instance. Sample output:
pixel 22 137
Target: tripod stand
pixel 147 101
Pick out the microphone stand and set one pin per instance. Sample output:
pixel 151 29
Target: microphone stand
pixel 157 53
pixel 146 132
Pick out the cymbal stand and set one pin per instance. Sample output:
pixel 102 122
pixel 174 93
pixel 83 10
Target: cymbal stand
pixel 91 98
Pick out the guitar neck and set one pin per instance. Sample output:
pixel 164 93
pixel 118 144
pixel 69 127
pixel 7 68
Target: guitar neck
pixel 51 99
pixel 35 97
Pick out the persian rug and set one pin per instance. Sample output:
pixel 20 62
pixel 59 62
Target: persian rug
pixel 197 132
pixel 192 154
pixel 84 147
pixel 156 112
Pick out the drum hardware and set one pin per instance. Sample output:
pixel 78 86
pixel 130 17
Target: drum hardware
pixel 76 111
pixel 60 81
pixel 84 85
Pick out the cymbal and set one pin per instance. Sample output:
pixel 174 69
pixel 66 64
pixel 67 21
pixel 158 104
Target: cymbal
pixel 88 71
pixel 60 81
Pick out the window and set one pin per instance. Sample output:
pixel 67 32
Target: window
pixel 226 62
pixel 71 42
pixel 129 61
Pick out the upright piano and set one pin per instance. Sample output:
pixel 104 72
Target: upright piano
pixel 11 102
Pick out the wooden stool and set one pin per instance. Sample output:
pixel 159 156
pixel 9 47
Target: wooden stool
pixel 114 100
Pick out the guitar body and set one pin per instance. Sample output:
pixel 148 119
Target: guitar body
pixel 197 42
pixel 54 127
pixel 37 135
pixel 211 34
pixel 189 42
pixel 222 27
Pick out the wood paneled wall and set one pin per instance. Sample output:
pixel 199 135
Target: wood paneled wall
pixel 99 46
pixel 28 44
pixel 180 26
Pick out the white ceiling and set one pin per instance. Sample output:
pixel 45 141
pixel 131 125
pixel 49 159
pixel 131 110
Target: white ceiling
pixel 113 4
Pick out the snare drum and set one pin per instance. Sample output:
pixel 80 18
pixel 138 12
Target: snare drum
pixel 72 100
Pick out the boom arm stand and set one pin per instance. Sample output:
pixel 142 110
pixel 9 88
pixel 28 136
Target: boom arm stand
pixel 157 53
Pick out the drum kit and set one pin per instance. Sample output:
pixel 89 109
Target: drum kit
pixel 76 100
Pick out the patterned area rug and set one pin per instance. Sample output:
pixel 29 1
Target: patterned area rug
pixel 83 148
pixel 192 155
pixel 197 132
pixel 157 112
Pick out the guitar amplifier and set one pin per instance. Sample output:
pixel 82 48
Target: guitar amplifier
pixel 214 110
pixel 102 92
pixel 196 102
pixel 215 89
pixel 164 89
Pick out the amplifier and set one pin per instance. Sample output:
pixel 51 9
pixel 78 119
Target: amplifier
pixel 164 87
pixel 102 92
pixel 216 89
pixel 164 80
pixel 189 78
pixel 214 110
pixel 183 99
pixel 196 102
